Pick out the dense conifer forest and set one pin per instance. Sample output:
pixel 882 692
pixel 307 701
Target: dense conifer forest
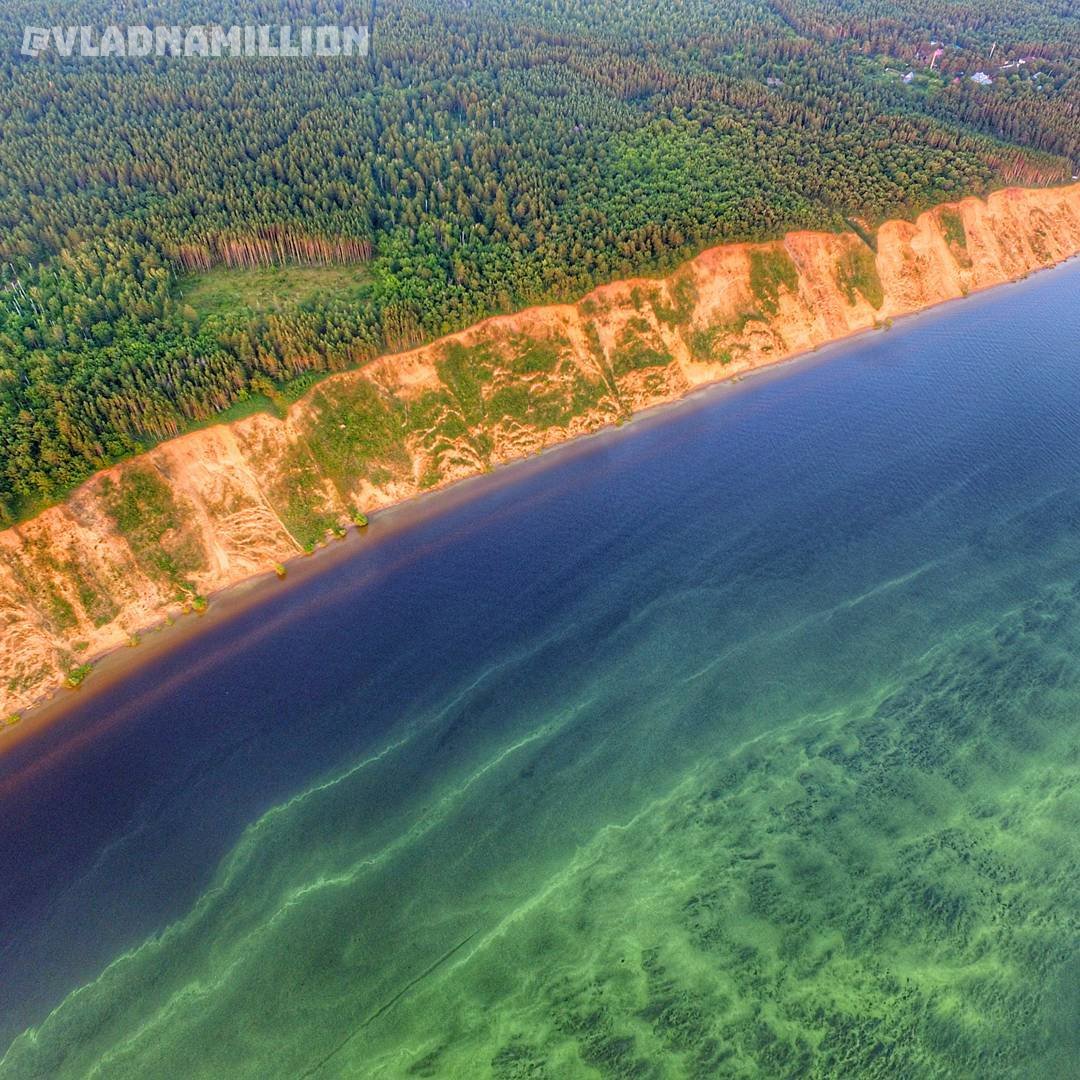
pixel 486 155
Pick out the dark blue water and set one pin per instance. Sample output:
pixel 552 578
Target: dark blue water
pixel 375 817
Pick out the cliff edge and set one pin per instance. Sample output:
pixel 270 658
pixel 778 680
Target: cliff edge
pixel 154 535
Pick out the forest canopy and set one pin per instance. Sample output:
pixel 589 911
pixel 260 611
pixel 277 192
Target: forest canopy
pixel 484 156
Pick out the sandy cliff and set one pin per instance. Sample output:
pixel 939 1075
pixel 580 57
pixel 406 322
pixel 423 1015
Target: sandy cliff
pixel 154 535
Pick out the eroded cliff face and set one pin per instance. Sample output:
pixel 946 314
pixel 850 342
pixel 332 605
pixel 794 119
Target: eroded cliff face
pixel 151 537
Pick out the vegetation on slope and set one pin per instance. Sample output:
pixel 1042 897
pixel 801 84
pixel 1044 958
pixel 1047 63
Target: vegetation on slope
pixel 148 515
pixel 857 273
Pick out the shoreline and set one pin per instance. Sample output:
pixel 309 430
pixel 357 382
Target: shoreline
pixel 113 666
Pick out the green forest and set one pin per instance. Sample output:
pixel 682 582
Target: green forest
pixel 182 238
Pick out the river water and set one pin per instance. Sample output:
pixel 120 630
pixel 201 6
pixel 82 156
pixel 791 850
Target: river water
pixel 742 741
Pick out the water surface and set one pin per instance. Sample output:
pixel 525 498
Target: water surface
pixel 741 742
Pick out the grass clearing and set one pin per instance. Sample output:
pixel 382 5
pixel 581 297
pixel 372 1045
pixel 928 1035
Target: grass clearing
pixel 269 289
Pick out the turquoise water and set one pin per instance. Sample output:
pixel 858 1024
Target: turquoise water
pixel 742 742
